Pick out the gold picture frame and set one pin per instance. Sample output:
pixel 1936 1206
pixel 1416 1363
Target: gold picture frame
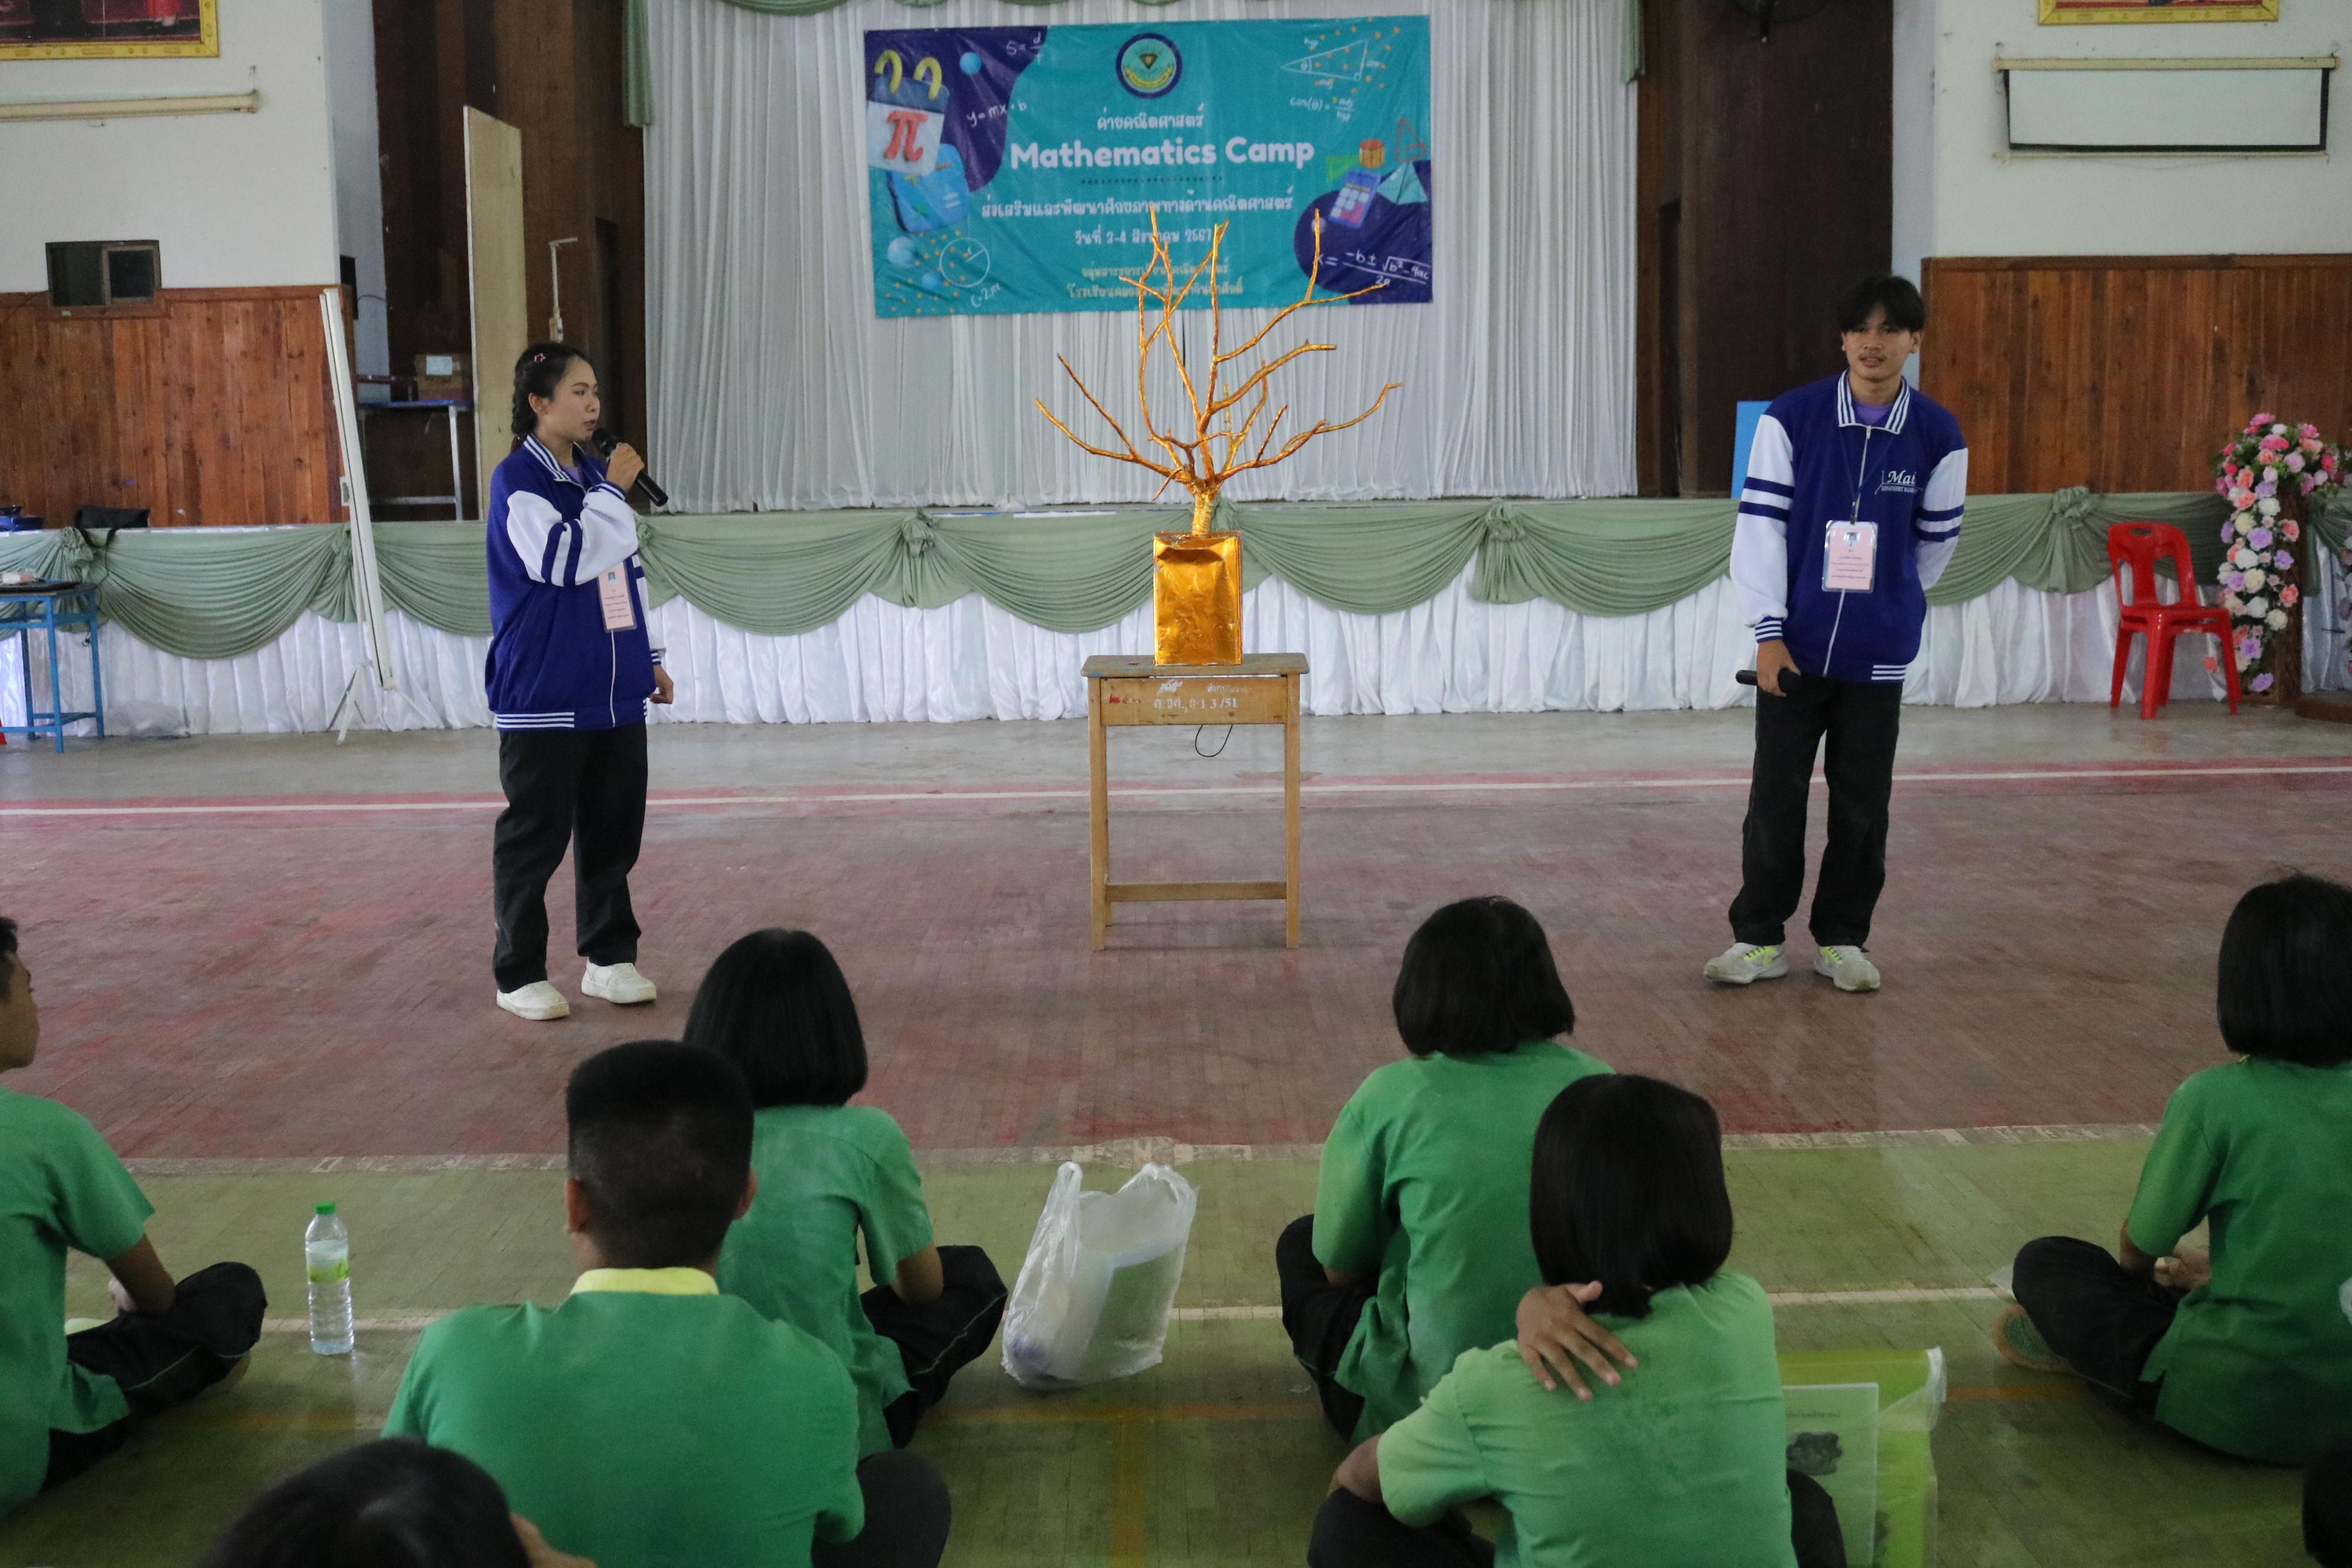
pixel 2060 13
pixel 115 34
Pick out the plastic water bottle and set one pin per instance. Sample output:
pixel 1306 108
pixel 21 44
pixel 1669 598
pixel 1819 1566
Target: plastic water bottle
pixel 327 1259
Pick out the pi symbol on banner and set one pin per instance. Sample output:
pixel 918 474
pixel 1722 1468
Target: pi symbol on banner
pixel 903 140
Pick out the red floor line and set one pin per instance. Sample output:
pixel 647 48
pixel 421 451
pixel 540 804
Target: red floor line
pixel 1444 785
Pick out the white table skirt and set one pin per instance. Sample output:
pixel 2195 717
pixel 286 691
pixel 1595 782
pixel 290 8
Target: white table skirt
pixel 972 660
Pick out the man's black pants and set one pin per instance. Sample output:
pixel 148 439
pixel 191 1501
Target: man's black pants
pixel 940 1338
pixel 580 788
pixel 160 1361
pixel 907 1515
pixel 1860 721
pixel 2098 1314
pixel 1352 1533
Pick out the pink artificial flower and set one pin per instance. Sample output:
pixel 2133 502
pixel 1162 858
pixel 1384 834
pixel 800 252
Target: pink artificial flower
pixel 2289 596
pixel 2243 501
pixel 2310 483
pixel 2257 423
pixel 2274 443
pixel 2292 530
pixel 2295 462
pixel 2262 683
pixel 2310 431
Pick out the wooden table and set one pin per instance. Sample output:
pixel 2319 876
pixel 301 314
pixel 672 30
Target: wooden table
pixel 1124 689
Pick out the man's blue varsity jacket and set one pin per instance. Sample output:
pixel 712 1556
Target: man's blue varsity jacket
pixel 1814 464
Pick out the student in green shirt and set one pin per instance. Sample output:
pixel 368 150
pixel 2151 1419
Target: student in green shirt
pixel 1418 1249
pixel 2246 1348
pixel 392 1503
pixel 67 1401
pixel 649 1421
pixel 775 1003
pixel 1684 1461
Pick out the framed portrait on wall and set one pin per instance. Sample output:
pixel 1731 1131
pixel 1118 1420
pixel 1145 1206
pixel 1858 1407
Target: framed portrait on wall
pixel 107 29
pixel 2064 11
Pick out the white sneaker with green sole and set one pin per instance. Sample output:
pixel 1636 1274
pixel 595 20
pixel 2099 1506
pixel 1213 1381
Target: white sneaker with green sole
pixel 1745 962
pixel 1848 968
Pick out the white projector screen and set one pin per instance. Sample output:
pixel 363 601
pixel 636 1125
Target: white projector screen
pixel 2182 110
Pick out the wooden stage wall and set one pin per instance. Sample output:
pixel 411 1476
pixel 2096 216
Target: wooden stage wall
pixel 210 407
pixel 2127 373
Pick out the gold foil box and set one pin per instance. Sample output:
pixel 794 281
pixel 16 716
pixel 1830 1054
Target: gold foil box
pixel 1196 598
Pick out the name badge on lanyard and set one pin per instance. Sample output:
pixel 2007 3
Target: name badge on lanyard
pixel 620 605
pixel 1850 558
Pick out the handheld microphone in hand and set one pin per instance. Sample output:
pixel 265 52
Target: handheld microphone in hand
pixel 1788 678
pixel 604 441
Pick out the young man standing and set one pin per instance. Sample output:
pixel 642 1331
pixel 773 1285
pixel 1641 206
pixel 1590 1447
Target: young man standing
pixel 1850 511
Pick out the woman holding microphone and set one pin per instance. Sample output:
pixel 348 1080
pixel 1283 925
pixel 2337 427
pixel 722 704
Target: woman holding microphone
pixel 569 672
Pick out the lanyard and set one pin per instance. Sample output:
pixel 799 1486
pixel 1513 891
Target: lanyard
pixel 1862 472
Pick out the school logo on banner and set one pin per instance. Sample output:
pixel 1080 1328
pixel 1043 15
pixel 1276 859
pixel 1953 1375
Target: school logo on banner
pixel 1005 173
pixel 1149 65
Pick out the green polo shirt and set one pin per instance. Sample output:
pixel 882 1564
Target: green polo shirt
pixel 827 1174
pixel 1424 1182
pixel 60 1187
pixel 1684 1462
pixel 2259 1362
pixel 648 1422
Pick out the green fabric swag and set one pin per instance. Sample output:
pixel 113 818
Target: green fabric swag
pixel 205 593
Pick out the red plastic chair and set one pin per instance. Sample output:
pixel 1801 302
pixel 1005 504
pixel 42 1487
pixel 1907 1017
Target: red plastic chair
pixel 2140 545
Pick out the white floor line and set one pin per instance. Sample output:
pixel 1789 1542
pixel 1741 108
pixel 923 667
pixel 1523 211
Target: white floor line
pixel 1894 1295
pixel 1129 1152
pixel 951 797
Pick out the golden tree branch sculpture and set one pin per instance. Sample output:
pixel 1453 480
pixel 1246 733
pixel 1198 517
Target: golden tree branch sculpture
pixel 1214 453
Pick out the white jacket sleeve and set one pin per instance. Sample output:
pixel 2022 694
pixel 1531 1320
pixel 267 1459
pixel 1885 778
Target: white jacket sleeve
pixel 1936 526
pixel 570 553
pixel 1759 539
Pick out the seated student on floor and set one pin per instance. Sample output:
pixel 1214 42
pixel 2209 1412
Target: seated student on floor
pixel 67 1401
pixel 1684 1462
pixel 2246 1348
pixel 1418 1249
pixel 649 1419
pixel 776 1005
pixel 392 1503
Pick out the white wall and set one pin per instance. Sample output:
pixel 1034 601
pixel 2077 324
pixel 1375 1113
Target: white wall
pixel 1958 192
pixel 236 200
pixel 359 171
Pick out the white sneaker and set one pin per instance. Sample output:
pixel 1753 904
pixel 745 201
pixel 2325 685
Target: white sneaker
pixel 538 1001
pixel 619 984
pixel 1745 962
pixel 1849 967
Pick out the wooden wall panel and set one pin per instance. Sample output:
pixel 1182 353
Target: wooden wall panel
pixel 210 408
pixel 2127 372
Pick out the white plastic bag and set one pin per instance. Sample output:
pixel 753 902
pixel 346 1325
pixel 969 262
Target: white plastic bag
pixel 1094 1294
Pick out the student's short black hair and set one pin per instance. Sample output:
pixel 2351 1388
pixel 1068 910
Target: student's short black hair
pixel 7 952
pixel 2285 988
pixel 1628 1190
pixel 393 1503
pixel 1478 976
pixel 538 373
pixel 1906 311
pixel 776 1006
pixel 661 1139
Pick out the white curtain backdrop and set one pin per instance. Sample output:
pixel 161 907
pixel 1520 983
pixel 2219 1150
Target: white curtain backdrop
pixel 771 386
pixel 972 660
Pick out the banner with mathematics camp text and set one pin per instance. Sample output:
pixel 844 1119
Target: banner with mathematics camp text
pixel 1017 169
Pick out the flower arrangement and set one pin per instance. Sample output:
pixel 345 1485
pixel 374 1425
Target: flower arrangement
pixel 2265 467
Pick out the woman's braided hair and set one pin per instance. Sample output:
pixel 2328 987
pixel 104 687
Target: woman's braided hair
pixel 536 375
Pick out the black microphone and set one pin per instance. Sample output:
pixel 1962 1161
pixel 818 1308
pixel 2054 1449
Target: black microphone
pixel 604 441
pixel 1788 678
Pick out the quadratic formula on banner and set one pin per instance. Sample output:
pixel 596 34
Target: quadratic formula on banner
pixel 1017 169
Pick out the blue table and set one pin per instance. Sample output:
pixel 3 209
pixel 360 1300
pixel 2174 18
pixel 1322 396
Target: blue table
pixel 45 607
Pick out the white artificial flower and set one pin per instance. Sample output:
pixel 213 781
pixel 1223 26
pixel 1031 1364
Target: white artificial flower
pixel 2254 580
pixel 2268 506
pixel 2232 603
pixel 2258 607
pixel 2243 558
pixel 2278 429
pixel 2276 620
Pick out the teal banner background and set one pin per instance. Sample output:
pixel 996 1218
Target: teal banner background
pixel 1016 169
